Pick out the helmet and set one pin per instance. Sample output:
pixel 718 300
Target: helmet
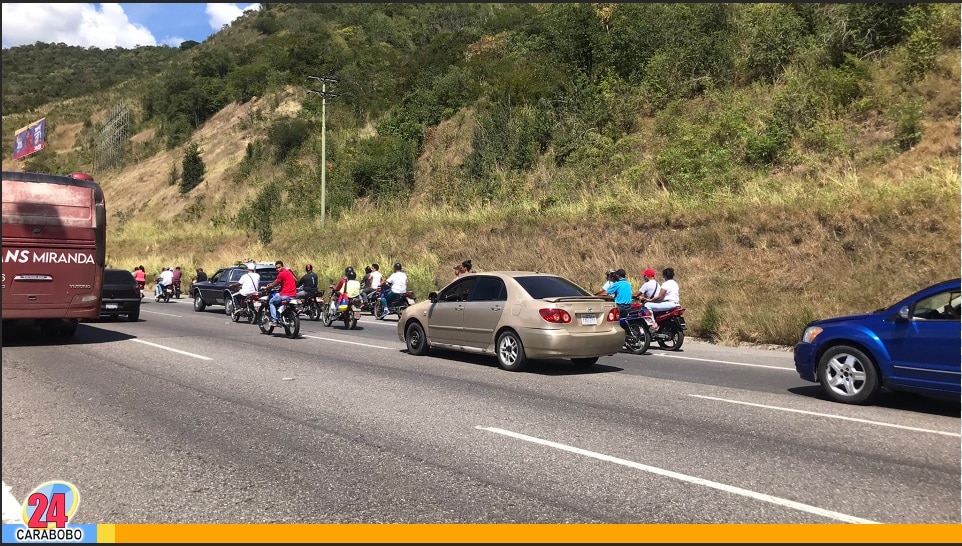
pixel 397 266
pixel 349 273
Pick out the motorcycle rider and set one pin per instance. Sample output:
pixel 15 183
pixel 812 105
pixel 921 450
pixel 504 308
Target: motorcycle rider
pixel 373 284
pixel 608 282
pixel 667 297
pixel 307 286
pixel 650 286
pixel 176 281
pixel 398 283
pixel 165 279
pixel 285 279
pixel 246 286
pixel 621 290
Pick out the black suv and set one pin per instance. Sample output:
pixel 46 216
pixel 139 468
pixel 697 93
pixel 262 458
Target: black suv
pixel 214 291
pixel 120 295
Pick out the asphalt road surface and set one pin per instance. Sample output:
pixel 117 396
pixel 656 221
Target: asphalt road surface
pixel 186 417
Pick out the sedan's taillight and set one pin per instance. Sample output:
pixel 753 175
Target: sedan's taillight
pixel 558 316
pixel 613 315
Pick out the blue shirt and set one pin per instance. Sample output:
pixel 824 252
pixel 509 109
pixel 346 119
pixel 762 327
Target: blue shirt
pixel 621 289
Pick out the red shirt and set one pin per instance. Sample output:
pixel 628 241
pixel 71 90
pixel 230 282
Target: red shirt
pixel 288 282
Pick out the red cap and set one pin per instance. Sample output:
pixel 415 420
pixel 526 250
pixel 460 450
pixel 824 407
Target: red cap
pixel 649 272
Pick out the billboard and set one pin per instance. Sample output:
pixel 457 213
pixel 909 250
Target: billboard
pixel 30 139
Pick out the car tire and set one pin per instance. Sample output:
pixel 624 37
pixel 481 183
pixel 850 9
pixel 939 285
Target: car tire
pixel 585 362
pixel 199 304
pixel 848 375
pixel 133 315
pixel 416 340
pixel 510 352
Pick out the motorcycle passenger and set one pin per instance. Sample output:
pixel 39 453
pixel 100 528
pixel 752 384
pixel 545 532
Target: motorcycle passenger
pixel 246 286
pixel 621 290
pixel 375 279
pixel 141 277
pixel 608 282
pixel 176 281
pixel 165 279
pixel 285 279
pixel 307 286
pixel 398 283
pixel 667 297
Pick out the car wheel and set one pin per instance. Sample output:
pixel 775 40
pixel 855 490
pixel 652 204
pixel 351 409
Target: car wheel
pixel 585 362
pixel 510 352
pixel 199 304
pixel 848 375
pixel 416 341
pixel 133 315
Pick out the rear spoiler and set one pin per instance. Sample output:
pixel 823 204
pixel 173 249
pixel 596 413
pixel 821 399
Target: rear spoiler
pixel 579 298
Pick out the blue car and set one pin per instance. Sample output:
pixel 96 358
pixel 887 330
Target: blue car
pixel 915 345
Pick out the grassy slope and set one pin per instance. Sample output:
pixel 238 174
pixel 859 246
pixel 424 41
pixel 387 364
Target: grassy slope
pixel 820 240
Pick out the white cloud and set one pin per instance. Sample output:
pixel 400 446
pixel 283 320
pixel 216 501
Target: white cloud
pixel 72 24
pixel 225 14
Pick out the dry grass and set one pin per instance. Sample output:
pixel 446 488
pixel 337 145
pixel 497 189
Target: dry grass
pixel 817 241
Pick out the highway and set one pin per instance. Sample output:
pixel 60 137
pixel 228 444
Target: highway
pixel 186 417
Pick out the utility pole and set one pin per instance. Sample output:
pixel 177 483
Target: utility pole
pixel 324 94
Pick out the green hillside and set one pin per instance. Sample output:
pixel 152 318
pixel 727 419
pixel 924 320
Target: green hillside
pixel 790 161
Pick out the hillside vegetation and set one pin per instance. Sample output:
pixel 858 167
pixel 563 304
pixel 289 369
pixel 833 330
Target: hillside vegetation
pixel 789 161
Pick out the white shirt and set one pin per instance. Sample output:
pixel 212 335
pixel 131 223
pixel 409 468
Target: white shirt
pixel 399 282
pixel 650 288
pixel 167 277
pixel 671 292
pixel 376 279
pixel 248 283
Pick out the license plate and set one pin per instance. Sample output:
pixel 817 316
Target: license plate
pixel 257 305
pixel 111 306
pixel 589 320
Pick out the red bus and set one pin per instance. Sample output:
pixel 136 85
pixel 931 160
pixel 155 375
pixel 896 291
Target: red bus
pixel 54 250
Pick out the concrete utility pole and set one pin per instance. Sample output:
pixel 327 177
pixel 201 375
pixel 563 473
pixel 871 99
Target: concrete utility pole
pixel 324 94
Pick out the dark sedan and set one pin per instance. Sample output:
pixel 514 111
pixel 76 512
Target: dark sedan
pixel 215 290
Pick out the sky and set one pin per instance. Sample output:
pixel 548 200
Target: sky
pixel 107 26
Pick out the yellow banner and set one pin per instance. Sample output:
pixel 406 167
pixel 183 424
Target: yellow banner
pixel 532 533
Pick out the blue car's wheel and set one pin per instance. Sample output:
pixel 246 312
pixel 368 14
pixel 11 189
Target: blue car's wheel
pixel 848 375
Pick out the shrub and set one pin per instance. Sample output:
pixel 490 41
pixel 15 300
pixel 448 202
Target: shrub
pixel 287 135
pixel 193 169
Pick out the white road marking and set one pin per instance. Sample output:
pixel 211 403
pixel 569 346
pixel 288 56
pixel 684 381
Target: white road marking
pixel 782 368
pixel 686 478
pixel 866 421
pixel 159 313
pixel 12 511
pixel 172 349
pixel 348 342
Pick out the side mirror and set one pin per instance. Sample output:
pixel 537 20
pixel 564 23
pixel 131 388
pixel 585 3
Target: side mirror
pixel 433 296
pixel 903 314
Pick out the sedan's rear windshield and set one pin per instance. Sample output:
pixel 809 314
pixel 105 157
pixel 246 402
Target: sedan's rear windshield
pixel 118 276
pixel 544 286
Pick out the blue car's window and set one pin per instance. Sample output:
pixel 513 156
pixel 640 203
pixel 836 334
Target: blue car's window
pixel 941 306
pixel 543 286
pixel 217 276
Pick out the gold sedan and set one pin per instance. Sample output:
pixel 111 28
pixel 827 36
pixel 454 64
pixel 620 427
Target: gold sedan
pixel 516 316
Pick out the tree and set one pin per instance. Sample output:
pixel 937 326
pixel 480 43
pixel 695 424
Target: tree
pixel 193 169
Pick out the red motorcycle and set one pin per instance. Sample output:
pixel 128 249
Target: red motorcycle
pixel 671 327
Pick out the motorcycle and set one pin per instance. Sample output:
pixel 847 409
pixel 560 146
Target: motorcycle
pixel 338 309
pixel 637 336
pixel 286 314
pixel 165 294
pixel 177 290
pixel 311 306
pixel 671 328
pixel 247 309
pixel 396 306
